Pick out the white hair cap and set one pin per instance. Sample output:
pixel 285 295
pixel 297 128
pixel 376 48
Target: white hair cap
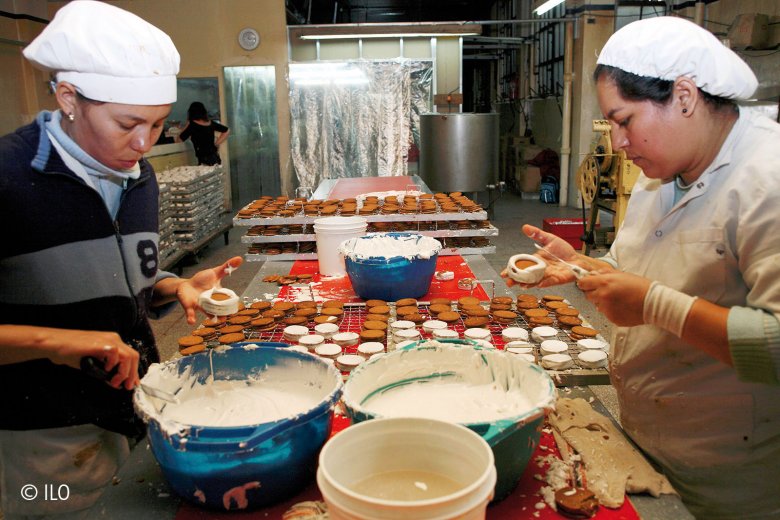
pixel 108 54
pixel 667 47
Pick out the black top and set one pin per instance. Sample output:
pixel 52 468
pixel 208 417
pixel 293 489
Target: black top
pixel 203 141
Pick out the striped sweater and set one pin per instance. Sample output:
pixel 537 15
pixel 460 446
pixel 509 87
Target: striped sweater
pixel 65 263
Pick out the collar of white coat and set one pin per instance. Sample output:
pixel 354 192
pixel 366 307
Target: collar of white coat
pixel 722 159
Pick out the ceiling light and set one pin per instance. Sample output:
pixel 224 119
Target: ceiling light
pixel 549 4
pixel 386 30
pixel 387 35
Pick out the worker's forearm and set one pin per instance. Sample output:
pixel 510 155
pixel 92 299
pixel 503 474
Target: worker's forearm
pixel 165 291
pixel 20 343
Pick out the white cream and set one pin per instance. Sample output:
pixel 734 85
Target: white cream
pixel 520 350
pixel 445 334
pixel 557 361
pixel 410 247
pixel 591 343
pixel 476 385
pixel 514 334
pixel 227 403
pixel 592 358
pixel 430 325
pixel 345 338
pixel 553 346
pixel 401 324
pixel 369 348
pixel 542 333
pixel 458 402
pixel 326 330
pixel 476 333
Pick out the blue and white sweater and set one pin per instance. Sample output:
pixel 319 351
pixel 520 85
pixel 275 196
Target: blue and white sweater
pixel 66 263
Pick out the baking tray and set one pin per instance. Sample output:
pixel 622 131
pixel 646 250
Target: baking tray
pixel 355 315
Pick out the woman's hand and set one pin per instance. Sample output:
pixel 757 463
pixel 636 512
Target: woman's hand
pixel 555 273
pixel 619 296
pixel 70 346
pixel 189 291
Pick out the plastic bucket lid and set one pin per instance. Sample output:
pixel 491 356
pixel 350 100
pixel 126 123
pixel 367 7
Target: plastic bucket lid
pixel 339 222
pixel 407 449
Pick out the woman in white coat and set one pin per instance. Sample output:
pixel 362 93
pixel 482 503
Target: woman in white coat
pixel 692 280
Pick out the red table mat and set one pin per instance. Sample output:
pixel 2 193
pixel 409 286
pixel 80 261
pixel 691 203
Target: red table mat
pixel 330 288
pixel 520 505
pixel 352 187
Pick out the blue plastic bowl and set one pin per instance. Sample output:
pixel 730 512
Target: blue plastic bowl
pixel 391 278
pixel 513 439
pixel 249 466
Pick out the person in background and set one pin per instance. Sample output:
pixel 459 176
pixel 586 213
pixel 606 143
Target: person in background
pixel 79 274
pixel 692 280
pixel 206 134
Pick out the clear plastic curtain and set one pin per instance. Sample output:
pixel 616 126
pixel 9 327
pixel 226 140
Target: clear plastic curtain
pixel 356 118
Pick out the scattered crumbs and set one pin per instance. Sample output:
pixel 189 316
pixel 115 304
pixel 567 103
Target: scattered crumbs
pixel 591 399
pixel 543 447
pixel 536 514
pixel 115 480
pixel 539 477
pixel 163 495
pixel 548 495
pixel 540 505
pixel 547 430
pixel 421 485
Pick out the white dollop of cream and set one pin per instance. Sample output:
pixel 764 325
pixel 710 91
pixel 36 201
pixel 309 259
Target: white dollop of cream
pixel 390 246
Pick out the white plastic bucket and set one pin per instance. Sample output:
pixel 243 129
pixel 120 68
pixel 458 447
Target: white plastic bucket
pixel 330 233
pixel 406 446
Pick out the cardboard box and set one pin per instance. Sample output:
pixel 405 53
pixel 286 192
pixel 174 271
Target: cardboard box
pixel 749 31
pixel 528 178
pixel 569 229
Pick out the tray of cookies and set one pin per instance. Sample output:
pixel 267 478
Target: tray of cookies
pixel 547 331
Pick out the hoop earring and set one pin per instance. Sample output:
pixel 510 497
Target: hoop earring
pixel 71 117
pixel 684 111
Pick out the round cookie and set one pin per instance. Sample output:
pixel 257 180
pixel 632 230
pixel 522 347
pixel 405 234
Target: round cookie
pixel 569 321
pixel 188 351
pixel 580 332
pixel 231 338
pixel 448 316
pixel 189 341
pixel 475 321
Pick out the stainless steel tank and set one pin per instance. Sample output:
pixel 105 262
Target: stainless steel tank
pixel 458 152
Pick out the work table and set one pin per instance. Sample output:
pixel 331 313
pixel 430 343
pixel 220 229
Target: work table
pixel 140 489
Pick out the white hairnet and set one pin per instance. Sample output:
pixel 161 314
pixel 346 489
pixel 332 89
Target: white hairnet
pixel 109 54
pixel 667 47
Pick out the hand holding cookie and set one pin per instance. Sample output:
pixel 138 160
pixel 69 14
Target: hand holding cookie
pixel 188 292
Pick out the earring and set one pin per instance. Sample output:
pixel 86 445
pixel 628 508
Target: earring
pixel 71 117
pixel 684 111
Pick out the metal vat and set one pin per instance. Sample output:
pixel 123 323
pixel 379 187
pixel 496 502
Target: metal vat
pixel 458 152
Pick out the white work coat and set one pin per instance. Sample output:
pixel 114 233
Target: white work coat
pixel 717 438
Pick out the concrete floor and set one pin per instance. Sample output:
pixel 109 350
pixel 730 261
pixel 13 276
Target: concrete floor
pixel 509 213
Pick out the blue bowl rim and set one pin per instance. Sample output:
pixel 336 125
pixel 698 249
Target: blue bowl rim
pixel 453 343
pixel 195 437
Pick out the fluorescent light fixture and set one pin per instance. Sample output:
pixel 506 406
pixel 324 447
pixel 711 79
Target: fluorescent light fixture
pixel 383 30
pixel 387 35
pixel 322 74
pixel 549 4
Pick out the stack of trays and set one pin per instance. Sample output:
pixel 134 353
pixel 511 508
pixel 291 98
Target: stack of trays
pixel 197 197
pixel 168 244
